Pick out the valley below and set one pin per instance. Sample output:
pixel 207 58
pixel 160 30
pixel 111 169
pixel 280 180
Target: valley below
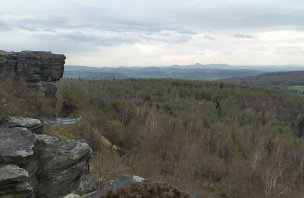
pixel 152 136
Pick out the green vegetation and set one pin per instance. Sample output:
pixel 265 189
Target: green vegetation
pixel 278 80
pixel 206 137
pixel 297 88
pixel 300 88
pixel 16 98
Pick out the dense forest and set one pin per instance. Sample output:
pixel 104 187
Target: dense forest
pixel 209 138
pixel 274 79
pixel 190 72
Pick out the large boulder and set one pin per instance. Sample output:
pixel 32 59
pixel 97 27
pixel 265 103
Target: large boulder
pixel 14 182
pixel 32 124
pixel 33 66
pixel 40 70
pixel 39 165
pixel 62 164
pixel 89 186
pixel 16 145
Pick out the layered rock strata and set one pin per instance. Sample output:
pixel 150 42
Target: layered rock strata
pixel 14 182
pixel 32 124
pixel 39 69
pixel 39 165
pixel 32 66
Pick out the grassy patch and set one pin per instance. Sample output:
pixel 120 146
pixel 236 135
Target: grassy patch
pixel 82 130
pixel 298 88
pixel 66 132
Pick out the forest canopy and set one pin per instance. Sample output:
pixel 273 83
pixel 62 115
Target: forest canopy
pixel 207 137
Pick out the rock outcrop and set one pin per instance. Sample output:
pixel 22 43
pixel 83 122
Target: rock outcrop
pixel 43 166
pixel 39 165
pixel 32 124
pixel 16 146
pixel 14 182
pixel 32 66
pixel 39 69
pixel 62 164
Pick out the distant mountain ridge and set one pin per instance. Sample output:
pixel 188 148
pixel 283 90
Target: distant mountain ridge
pixel 264 68
pixel 195 71
pixel 191 72
pixel 271 79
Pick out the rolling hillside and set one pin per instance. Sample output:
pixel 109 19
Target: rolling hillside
pixel 194 72
pixel 271 79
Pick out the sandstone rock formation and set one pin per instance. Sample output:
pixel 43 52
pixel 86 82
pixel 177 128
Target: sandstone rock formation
pixel 39 165
pixel 32 66
pixel 72 195
pixel 33 125
pixel 39 69
pixel 14 182
pixel 16 146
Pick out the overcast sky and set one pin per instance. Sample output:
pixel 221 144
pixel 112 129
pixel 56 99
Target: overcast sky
pixel 157 32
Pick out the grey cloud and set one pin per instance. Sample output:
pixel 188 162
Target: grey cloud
pixel 28 28
pixel 110 38
pixel 75 25
pixel 95 40
pixel 48 30
pixel 95 32
pixel 4 26
pixel 244 36
pixel 244 17
pixel 209 37
pixel 187 16
pixel 33 23
pixel 289 50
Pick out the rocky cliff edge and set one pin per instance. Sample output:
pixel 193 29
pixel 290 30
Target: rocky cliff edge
pixel 39 165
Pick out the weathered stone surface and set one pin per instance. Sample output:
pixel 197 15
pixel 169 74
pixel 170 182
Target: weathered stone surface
pixel 61 155
pixel 9 173
pixel 16 145
pixel 33 66
pixel 23 122
pixel 89 186
pixel 49 167
pixel 46 139
pixel 16 190
pixel 39 69
pixel 61 165
pixel 32 124
pixel 13 182
pixel 124 181
pixel 72 196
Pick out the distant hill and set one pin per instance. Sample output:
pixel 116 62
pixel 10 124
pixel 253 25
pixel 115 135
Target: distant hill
pixel 271 79
pixel 93 75
pixel 191 72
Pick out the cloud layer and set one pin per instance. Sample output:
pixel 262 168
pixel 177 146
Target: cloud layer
pixel 146 32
